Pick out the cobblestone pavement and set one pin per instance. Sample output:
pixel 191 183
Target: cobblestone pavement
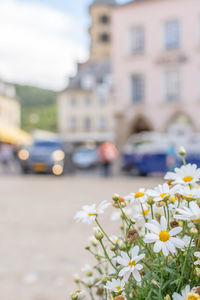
pixel 41 246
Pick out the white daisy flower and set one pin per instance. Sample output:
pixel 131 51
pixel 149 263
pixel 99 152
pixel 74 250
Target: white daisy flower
pixel 116 285
pixel 189 193
pixel 78 294
pixel 89 213
pixel 197 254
pixel 173 206
pixel 140 196
pixel 162 192
pixel 184 294
pixel 89 281
pixel 185 175
pixel 164 240
pixel 142 212
pixel 87 270
pixel 130 264
pixel 191 213
pixel 186 239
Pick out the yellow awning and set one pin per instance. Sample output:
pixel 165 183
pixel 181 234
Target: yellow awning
pixel 14 136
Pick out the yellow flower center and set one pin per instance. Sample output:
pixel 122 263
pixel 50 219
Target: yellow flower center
pixel 163 195
pixel 132 263
pixel 192 296
pixel 92 214
pixel 145 212
pixel 118 288
pixel 164 236
pixel 190 195
pixel 139 194
pixel 188 178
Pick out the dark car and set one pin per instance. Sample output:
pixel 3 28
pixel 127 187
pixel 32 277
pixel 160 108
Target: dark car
pixel 86 157
pixel 44 156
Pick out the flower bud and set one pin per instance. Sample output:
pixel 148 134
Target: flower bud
pixel 174 224
pixel 119 298
pixel 104 279
pixel 122 246
pixel 87 247
pixel 160 204
pixel 77 278
pixel 182 151
pixel 167 297
pixel 98 233
pixel 132 236
pixel 197 270
pixel 115 197
pixel 158 216
pixel 197 290
pixel 78 295
pixel 100 291
pixel 150 200
pixel 194 231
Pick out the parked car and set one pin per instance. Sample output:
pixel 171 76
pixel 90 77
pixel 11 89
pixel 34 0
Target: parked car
pixel 86 157
pixel 147 152
pixel 44 156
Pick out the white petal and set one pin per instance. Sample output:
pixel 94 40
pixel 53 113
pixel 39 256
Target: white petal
pixel 152 228
pixel 170 246
pixel 175 231
pixel 164 249
pixel 150 238
pixel 136 275
pixel 163 223
pixel 197 254
pixel 157 247
pixel 134 251
pixel 178 243
pixel 124 271
pixel 139 267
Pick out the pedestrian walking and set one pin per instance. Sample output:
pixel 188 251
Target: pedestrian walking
pixel 107 153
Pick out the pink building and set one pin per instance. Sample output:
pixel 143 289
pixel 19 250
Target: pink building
pixel 156 65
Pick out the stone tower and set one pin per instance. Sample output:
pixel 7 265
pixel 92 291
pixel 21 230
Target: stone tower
pixel 100 30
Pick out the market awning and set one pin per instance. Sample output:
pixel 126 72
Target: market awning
pixel 14 136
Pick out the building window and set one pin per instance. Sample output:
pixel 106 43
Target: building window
pixel 172 35
pixel 104 37
pixel 172 85
pixel 102 123
pixel 137 40
pixel 104 19
pixel 73 102
pixel 87 102
pixel 137 88
pixel 73 123
pixel 87 124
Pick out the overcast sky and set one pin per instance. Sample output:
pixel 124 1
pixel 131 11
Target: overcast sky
pixel 41 40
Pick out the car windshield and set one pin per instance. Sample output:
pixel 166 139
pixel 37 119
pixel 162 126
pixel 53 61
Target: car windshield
pixel 47 144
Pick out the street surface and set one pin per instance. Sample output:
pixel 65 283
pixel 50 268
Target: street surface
pixel 41 245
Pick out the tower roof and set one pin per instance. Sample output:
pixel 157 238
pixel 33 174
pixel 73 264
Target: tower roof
pixel 105 2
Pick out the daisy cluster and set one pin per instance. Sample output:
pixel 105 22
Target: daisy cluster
pixel 156 253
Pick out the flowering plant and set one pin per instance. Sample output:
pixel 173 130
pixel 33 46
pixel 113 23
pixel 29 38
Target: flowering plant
pixel 156 254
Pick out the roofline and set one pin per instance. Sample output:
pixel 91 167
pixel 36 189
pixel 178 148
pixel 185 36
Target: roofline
pixel 133 2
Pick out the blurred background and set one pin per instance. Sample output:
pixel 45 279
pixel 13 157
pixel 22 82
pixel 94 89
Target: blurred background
pixel 96 96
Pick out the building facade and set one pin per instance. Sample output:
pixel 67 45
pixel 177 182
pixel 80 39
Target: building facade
pixel 9 106
pixel 85 107
pixel 156 66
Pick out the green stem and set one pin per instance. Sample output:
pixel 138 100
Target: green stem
pixel 123 213
pixel 152 211
pixel 184 265
pixel 106 255
pixel 104 232
pixel 167 216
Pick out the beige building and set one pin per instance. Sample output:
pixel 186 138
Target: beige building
pixel 156 66
pixel 9 106
pixel 100 29
pixel 85 107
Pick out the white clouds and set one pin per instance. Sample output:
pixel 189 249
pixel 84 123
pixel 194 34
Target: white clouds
pixel 36 44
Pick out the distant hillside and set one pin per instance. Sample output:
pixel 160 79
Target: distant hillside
pixel 38 108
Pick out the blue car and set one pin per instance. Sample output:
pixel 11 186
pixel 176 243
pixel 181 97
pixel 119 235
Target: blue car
pixel 149 152
pixel 43 157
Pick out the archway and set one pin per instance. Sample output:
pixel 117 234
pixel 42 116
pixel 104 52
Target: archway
pixel 180 123
pixel 140 124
